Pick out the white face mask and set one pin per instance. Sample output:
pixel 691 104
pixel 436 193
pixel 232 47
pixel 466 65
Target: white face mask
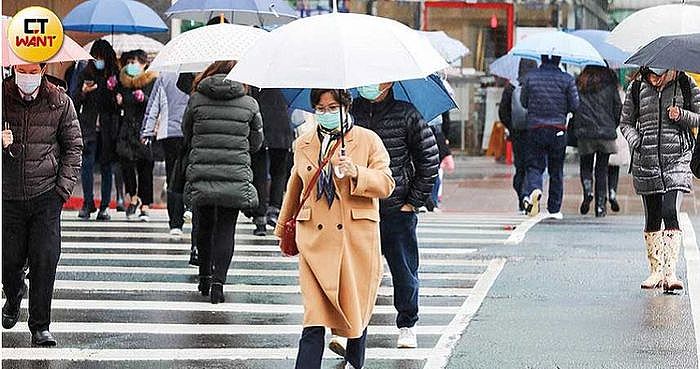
pixel 28 83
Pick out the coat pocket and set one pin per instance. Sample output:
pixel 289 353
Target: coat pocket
pixel 304 214
pixel 366 214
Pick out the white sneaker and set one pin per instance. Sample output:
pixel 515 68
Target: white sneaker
pixel 532 203
pixel 176 233
pixel 407 338
pixel 557 216
pixel 337 345
pixel 187 216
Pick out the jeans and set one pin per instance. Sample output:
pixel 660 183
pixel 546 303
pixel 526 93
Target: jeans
pixel 312 344
pixel 31 230
pixel 279 173
pixel 138 179
pixel 519 141
pixel 601 174
pixel 87 177
pixel 259 166
pixel 176 207
pixel 215 240
pixel 660 208
pixel 400 248
pixel 546 149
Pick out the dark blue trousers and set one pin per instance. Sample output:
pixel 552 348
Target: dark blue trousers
pixel 519 141
pixel 87 177
pixel 400 248
pixel 546 149
pixel 312 344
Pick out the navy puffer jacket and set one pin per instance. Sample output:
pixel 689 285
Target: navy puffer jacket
pixel 549 95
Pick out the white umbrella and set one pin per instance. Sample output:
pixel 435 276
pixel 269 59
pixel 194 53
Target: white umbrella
pixel 648 24
pixel 123 42
pixel 572 49
pixel 194 50
pixel 451 49
pixel 337 50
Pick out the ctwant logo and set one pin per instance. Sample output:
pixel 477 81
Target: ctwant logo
pixel 35 34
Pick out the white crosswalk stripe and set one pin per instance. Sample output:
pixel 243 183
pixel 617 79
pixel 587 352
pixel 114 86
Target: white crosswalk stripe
pixel 123 286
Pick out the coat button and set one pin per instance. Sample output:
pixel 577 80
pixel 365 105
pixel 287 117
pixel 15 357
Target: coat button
pixel 309 168
pixel 340 226
pixel 320 226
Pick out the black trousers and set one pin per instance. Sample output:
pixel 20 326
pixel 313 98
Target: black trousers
pixel 215 240
pixel 31 230
pixel 138 179
pixel 613 177
pixel 519 141
pixel 176 207
pixel 660 208
pixel 258 164
pixel 312 344
pixel 601 174
pixel 279 174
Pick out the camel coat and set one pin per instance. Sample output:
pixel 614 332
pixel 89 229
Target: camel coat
pixel 340 262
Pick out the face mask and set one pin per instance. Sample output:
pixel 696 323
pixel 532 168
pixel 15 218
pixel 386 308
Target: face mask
pixel 133 69
pixel 99 64
pixel 28 83
pixel 370 92
pixel 329 121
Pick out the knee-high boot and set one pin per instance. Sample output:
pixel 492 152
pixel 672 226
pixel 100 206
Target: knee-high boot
pixel 672 244
pixel 655 249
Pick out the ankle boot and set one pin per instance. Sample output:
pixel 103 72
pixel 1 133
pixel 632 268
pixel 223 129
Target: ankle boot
pixel 655 244
pixel 217 293
pixel 204 284
pixel 672 244
pixel 612 197
pixel 587 196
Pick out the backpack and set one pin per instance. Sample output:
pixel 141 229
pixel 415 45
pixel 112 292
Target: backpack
pixel 518 114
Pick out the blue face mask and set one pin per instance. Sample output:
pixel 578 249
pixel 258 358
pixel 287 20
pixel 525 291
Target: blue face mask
pixel 100 64
pixel 370 92
pixel 329 121
pixel 133 69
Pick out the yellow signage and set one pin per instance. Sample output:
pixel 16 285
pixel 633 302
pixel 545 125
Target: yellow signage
pixel 35 34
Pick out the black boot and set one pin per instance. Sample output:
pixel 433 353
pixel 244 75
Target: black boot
pixel 194 257
pixel 260 227
pixel 613 180
pixel 217 293
pixel 614 205
pixel 600 206
pixel 204 285
pixel 587 196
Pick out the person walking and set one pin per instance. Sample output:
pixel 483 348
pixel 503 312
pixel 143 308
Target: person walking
pixel 514 116
pixel 549 95
pixel 595 123
pixel 620 158
pixel 340 265
pixel 222 126
pixel 660 139
pixel 163 122
pixel 41 157
pixel 414 167
pixel 135 154
pixel 96 103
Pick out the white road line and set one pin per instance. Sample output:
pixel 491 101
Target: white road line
pixel 519 234
pixel 249 226
pixel 692 259
pixel 77 355
pixel 453 332
pixel 205 329
pixel 128 305
pixel 120 287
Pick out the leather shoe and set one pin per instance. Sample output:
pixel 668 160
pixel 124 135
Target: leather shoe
pixel 43 338
pixel 10 313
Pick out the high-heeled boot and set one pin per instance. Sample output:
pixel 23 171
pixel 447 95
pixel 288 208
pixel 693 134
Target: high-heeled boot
pixel 672 244
pixel 587 196
pixel 655 246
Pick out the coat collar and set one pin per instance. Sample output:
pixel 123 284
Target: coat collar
pixel 137 82
pixel 310 144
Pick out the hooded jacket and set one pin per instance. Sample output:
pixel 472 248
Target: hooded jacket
pixel 222 127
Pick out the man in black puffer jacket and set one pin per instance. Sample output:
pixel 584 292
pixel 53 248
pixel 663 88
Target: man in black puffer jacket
pixel 414 166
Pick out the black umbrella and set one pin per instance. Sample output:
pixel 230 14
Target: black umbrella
pixel 680 52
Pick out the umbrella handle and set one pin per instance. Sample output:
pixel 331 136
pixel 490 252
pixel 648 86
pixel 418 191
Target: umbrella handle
pixel 675 88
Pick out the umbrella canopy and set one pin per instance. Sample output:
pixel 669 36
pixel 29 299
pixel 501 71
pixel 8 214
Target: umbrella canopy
pixel 648 24
pixel 506 67
pixel 70 50
pixel 123 42
pixel 572 49
pixel 337 50
pixel 428 95
pixel 110 16
pixel 194 50
pixel 612 54
pixel 681 52
pixel 451 49
pixel 247 12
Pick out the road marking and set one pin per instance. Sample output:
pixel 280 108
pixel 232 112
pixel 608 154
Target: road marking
pixel 453 332
pixel 692 259
pixel 518 234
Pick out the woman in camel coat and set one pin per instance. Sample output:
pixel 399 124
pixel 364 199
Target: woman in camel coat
pixel 340 265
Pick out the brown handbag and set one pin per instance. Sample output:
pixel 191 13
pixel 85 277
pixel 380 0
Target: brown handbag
pixel 288 243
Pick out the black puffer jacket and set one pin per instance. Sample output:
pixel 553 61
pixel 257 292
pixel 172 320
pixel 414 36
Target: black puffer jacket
pixel 411 146
pixel 52 146
pixel 273 107
pixel 598 115
pixel 129 146
pixel 99 104
pixel 222 126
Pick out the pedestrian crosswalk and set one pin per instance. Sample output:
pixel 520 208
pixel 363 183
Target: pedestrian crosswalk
pixel 126 297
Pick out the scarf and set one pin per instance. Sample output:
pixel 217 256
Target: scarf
pixel 325 187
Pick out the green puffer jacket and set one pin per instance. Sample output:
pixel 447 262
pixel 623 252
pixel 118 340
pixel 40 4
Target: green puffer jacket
pixel 222 127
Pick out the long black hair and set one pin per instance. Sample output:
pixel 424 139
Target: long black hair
pixel 101 49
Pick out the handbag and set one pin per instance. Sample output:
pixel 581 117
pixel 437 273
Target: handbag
pixel 288 242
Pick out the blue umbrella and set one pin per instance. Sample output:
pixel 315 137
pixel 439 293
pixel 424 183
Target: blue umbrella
pixel 614 56
pixel 247 12
pixel 113 16
pixel 428 95
pixel 572 49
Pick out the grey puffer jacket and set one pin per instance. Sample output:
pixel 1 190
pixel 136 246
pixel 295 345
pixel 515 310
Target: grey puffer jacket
pixel 661 148
pixel 221 126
